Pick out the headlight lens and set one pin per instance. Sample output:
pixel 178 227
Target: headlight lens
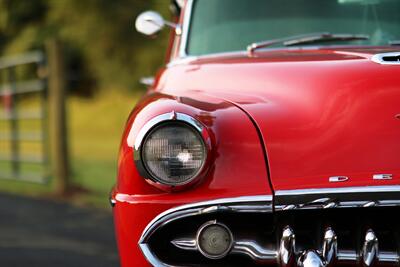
pixel 173 153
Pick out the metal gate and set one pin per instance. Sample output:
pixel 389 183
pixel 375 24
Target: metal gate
pixel 23 118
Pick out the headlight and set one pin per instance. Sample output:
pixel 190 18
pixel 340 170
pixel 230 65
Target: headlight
pixel 173 153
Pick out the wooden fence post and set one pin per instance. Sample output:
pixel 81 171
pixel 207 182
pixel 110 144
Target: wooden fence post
pixel 57 116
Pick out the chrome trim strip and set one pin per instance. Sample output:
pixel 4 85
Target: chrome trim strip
pixel 382 176
pixel 242 247
pixel 379 58
pixel 355 189
pixel 253 250
pixel 112 201
pixel 190 59
pixel 336 179
pixel 388 257
pixel 185 29
pixel 185 243
pixel 151 258
pixel 245 204
pixel 344 197
pixel 347 256
pixel 181 61
pixel 235 204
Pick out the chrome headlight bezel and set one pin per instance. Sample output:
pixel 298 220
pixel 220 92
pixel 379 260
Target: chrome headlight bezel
pixel 162 120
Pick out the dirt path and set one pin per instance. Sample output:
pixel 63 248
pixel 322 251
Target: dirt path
pixel 44 233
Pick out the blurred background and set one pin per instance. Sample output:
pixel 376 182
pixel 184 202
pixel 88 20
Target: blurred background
pixel 69 76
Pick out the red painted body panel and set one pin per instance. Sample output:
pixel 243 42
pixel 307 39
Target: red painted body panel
pixel 321 112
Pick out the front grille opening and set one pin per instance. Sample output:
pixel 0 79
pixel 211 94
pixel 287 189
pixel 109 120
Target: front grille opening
pixel 349 224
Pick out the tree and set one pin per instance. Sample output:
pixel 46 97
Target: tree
pixel 100 40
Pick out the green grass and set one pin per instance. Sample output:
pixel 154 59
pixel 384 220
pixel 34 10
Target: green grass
pixel 95 126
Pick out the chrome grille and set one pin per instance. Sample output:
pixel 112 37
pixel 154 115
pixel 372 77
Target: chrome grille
pixel 361 236
pixel 328 255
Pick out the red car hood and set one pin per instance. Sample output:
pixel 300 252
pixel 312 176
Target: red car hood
pixel 321 113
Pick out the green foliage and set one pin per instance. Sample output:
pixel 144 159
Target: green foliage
pixel 101 42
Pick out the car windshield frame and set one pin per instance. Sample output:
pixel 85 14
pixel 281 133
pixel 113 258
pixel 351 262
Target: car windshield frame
pixel 185 29
pixel 184 40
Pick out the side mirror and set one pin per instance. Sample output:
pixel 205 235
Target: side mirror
pixel 151 22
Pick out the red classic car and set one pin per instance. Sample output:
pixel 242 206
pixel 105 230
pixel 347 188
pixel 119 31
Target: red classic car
pixel 271 137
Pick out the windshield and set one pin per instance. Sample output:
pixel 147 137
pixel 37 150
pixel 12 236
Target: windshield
pixel 231 25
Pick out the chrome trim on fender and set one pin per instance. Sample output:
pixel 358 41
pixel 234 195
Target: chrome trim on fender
pixel 382 176
pixel 344 197
pixel 246 204
pixel 336 179
pixel 355 189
